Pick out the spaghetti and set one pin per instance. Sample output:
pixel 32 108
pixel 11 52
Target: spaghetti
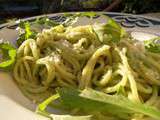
pixel 74 57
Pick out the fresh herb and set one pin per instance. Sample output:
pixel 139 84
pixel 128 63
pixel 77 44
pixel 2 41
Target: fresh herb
pixel 153 45
pixel 8 55
pixel 25 32
pixel 109 32
pixel 85 104
pixel 41 109
pixel 89 99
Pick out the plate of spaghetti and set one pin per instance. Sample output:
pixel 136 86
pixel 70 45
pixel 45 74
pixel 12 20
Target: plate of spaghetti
pixel 80 66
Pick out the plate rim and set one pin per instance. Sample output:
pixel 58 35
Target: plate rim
pixel 60 13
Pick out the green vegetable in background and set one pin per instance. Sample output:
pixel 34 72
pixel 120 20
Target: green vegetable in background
pixel 8 55
pixel 153 45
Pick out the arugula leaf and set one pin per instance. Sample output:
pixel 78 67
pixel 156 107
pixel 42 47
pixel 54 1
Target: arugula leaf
pixel 8 55
pixel 25 32
pixel 43 105
pixel 89 99
pixel 153 45
pixel 109 32
pixel 41 109
pixel 71 98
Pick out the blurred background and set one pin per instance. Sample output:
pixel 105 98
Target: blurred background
pixel 14 9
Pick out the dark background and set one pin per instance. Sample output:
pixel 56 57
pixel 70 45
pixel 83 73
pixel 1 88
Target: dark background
pixel 10 9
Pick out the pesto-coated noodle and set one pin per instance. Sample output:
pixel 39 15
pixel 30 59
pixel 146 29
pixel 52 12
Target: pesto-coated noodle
pixel 74 57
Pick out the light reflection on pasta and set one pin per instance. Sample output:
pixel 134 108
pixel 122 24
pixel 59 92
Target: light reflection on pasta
pixel 74 57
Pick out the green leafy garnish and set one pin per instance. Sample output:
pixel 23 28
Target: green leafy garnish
pixel 25 32
pixel 41 109
pixel 109 32
pixel 8 55
pixel 42 106
pixel 72 99
pixel 28 32
pixel 89 99
pixel 153 45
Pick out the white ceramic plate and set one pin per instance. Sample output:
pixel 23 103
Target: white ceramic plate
pixel 15 106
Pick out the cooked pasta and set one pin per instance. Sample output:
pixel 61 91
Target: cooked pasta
pixel 74 57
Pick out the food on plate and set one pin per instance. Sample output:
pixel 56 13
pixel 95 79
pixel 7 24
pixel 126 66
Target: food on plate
pixel 92 72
